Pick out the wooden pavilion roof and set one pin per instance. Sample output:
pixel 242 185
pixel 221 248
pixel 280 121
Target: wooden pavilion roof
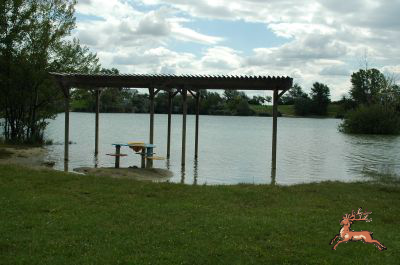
pixel 161 81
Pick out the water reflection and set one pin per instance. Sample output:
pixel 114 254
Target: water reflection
pixel 183 173
pixel 195 171
pixel 273 176
pixel 66 165
pixel 233 149
pixel 96 161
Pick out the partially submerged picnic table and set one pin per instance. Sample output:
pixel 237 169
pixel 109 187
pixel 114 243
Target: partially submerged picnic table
pixel 145 150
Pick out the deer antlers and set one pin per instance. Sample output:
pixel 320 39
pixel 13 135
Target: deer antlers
pixel 362 216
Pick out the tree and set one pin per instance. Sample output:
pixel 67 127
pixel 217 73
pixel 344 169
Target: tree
pixel 377 104
pixel 211 103
pixel 292 95
pixel 366 86
pixel 303 106
pixel 259 100
pixel 32 44
pixel 242 108
pixel 372 119
pixel 320 97
pixel 234 94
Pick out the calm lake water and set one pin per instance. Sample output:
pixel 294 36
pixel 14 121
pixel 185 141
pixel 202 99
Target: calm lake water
pixel 231 149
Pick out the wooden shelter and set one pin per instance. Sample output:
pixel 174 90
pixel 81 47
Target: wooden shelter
pixel 172 84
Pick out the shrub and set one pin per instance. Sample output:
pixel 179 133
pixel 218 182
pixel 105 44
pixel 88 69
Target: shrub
pixel 302 106
pixel 373 119
pixel 243 108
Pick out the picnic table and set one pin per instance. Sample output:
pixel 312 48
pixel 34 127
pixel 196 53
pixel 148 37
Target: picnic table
pixel 145 150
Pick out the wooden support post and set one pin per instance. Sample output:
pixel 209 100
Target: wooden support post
pixel 196 149
pixel 149 155
pixel 96 147
pixel 117 155
pixel 274 130
pixel 184 112
pixel 151 92
pixel 169 123
pixel 143 156
pixel 66 134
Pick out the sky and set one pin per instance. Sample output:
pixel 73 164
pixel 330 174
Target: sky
pixel 311 41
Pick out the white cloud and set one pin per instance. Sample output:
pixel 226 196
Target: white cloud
pixel 326 39
pixel 187 34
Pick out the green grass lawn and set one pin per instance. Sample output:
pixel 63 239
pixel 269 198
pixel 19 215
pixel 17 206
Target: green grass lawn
pixel 50 217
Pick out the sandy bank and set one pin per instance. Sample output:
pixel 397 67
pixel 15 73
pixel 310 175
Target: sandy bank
pixel 150 174
pixel 35 157
pixel 29 156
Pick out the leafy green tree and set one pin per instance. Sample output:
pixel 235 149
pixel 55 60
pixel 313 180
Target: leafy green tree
pixel 303 106
pixel 366 86
pixel 161 102
pixel 376 108
pixel 320 97
pixel 372 119
pixel 32 44
pixel 296 96
pixel 390 95
pixel 30 32
pixel 292 95
pixel 259 100
pixel 211 103
pixel 242 108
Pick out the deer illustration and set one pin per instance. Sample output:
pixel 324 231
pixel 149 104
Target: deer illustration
pixel 346 234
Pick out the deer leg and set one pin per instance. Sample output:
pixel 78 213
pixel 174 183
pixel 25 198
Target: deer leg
pixel 378 244
pixel 333 240
pixel 382 245
pixel 340 241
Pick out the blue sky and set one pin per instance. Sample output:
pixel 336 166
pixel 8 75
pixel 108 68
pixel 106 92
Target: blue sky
pixel 311 41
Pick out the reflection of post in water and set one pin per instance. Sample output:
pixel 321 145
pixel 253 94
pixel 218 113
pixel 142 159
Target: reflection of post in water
pixel 273 176
pixel 96 161
pixel 195 171
pixel 183 174
pixel 66 165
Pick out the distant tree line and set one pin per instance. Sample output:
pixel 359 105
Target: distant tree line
pixel 316 103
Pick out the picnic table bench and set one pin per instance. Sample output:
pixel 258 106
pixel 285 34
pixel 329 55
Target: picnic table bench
pixel 143 149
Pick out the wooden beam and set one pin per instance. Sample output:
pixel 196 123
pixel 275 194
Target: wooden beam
pixel 196 144
pixel 282 92
pixel 169 123
pixel 191 93
pixel 176 92
pixel 151 92
pixel 274 130
pixel 184 112
pixel 88 81
pixel 96 144
pixel 66 126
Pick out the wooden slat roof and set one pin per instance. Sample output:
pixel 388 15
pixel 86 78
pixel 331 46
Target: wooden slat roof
pixel 161 81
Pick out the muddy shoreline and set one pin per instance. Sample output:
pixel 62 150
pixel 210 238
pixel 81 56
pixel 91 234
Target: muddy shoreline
pixel 146 174
pixel 36 157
